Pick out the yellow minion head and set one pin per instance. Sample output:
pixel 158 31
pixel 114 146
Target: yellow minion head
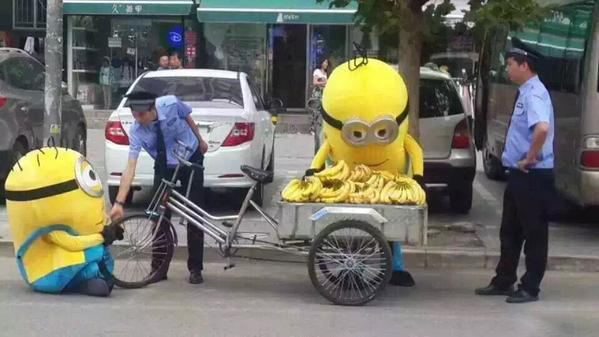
pixel 53 186
pixel 366 114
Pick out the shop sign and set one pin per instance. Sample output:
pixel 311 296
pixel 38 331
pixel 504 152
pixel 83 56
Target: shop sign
pixel 284 17
pixel 114 42
pixel 127 9
pixel 175 37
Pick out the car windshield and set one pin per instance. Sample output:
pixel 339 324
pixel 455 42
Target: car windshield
pixel 211 92
pixel 438 98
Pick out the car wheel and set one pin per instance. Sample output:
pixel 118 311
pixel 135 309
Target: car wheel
pixel 271 165
pixel 114 190
pixel 80 142
pixel 460 198
pixel 492 165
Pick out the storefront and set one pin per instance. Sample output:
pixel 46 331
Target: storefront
pixel 126 38
pixel 278 43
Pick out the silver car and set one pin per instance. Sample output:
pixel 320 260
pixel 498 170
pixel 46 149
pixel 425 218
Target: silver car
pixel 22 80
pixel 449 154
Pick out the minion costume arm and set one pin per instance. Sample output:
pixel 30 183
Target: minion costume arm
pixel 321 156
pixel 416 155
pixel 74 243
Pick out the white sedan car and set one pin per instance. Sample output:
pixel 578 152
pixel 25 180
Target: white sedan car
pixel 230 113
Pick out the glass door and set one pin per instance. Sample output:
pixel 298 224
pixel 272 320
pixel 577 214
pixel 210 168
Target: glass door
pixel 287 64
pixel 326 42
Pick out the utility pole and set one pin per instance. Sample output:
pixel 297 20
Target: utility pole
pixel 53 85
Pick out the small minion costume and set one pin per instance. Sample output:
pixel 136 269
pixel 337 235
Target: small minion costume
pixel 365 113
pixel 55 209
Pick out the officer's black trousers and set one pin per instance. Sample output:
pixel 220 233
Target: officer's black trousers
pixel 526 202
pixel 195 237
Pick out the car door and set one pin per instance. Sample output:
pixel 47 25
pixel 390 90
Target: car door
pixel 25 86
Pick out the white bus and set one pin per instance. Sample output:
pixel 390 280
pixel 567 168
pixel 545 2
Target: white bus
pixel 569 42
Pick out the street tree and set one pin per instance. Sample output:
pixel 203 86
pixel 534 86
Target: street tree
pixel 413 22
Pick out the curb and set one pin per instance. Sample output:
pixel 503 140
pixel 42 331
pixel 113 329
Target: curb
pixel 414 257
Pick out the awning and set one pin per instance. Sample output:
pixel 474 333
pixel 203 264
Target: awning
pixel 128 7
pixel 275 11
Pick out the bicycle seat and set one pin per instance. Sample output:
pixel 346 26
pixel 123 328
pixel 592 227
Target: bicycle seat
pixel 257 174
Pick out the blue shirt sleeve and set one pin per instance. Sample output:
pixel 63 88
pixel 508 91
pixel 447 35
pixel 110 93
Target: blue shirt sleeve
pixel 537 110
pixel 134 146
pixel 183 109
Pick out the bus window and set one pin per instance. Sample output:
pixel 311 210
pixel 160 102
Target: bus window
pixel 497 66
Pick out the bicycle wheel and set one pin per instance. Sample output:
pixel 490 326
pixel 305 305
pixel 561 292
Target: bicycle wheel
pixel 349 262
pixel 144 254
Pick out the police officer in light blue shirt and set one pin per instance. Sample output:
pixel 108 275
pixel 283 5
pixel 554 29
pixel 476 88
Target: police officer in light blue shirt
pixel 160 123
pixel 528 155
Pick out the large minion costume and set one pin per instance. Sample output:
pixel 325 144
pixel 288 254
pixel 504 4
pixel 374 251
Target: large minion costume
pixel 365 113
pixel 55 209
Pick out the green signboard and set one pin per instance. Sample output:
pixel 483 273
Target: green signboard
pixel 275 11
pixel 131 7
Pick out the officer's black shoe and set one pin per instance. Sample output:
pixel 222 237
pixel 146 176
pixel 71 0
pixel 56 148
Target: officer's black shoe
pixel 95 287
pixel 492 290
pixel 163 277
pixel 522 296
pixel 195 277
pixel 402 278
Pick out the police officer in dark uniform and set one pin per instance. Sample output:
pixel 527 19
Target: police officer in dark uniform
pixel 528 155
pixel 160 123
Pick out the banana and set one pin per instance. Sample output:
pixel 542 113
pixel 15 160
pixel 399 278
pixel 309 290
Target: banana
pixel 290 189
pixel 339 171
pixel 386 193
pixel 386 175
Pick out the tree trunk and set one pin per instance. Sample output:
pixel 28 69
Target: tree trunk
pixel 410 48
pixel 53 84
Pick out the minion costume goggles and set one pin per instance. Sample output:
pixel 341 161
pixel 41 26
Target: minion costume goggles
pixel 86 179
pixel 359 133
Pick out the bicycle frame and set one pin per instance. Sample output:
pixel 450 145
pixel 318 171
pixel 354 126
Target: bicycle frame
pixel 167 197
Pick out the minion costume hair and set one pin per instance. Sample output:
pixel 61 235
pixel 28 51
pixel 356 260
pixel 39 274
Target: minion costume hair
pixel 55 206
pixel 365 110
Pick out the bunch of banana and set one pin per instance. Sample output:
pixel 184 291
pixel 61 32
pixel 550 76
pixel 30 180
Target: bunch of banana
pixel 302 190
pixel 335 191
pixel 403 192
pixel 361 173
pixel 338 172
pixel 376 181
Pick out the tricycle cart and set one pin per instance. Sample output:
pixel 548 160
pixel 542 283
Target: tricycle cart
pixel 349 257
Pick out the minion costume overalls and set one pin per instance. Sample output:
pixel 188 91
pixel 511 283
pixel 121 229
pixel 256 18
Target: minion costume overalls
pixel 55 209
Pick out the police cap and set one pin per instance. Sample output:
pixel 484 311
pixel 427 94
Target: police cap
pixel 141 101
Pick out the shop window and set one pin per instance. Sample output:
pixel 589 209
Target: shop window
pixel 30 14
pixel 237 47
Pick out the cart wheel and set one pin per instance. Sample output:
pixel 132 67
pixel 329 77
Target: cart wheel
pixel 349 262
pixel 142 240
